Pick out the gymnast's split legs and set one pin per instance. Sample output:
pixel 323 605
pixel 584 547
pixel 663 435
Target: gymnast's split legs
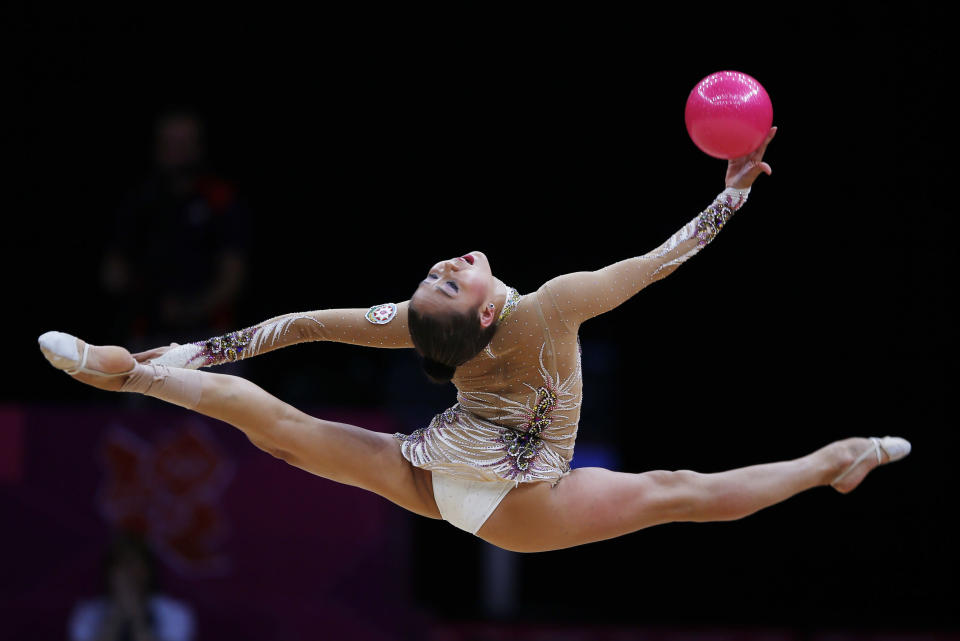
pixel 586 505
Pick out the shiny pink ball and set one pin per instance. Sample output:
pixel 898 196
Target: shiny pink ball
pixel 728 114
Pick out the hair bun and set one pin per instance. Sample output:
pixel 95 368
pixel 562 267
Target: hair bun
pixel 437 371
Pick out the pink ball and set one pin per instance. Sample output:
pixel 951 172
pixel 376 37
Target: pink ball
pixel 728 114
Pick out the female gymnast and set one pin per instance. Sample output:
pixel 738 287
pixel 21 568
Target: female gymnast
pixel 496 463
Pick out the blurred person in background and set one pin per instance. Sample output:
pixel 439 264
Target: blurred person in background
pixel 131 607
pixel 181 208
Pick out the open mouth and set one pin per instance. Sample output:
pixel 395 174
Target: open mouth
pixel 468 258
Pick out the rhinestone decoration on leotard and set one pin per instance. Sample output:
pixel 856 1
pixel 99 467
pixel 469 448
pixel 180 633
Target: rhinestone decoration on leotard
pixel 445 418
pixel 230 346
pixel 524 444
pixel 714 217
pixel 245 342
pixel 711 221
pixel 513 297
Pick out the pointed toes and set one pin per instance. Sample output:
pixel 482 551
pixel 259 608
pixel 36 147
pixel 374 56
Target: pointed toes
pixel 896 447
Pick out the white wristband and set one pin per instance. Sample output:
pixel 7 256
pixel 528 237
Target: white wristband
pixel 733 191
pixel 733 197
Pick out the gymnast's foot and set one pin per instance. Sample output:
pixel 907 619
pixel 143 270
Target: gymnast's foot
pixel 104 367
pixel 856 457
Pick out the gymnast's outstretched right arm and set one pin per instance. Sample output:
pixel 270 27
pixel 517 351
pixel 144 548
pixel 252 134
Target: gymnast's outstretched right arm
pixel 379 326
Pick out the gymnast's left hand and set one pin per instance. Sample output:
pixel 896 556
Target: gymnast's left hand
pixel 156 352
pixel 742 171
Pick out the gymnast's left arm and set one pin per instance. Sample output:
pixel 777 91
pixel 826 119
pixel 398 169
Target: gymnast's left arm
pixel 382 326
pixel 579 296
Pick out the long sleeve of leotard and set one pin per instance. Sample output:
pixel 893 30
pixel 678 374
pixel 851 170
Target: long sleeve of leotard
pixel 379 326
pixel 582 295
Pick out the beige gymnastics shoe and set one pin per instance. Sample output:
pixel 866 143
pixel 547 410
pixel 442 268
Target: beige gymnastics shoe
pixel 895 449
pixel 65 353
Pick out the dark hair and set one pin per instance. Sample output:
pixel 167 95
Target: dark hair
pixel 446 341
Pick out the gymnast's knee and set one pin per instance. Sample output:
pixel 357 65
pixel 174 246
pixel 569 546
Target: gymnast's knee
pixel 271 449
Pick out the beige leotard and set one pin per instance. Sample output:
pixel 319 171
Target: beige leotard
pixel 518 401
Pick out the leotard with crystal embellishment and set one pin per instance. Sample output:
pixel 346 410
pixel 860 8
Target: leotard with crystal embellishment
pixel 518 401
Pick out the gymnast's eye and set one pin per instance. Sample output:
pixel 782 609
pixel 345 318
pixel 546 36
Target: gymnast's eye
pixel 433 276
pixel 454 285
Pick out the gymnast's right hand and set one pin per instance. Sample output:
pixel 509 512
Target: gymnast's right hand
pixel 741 172
pixel 156 352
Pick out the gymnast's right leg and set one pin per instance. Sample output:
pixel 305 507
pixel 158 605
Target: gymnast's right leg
pixel 336 451
pixel 593 504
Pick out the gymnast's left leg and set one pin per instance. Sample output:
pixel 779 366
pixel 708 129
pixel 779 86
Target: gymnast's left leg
pixel 594 504
pixel 336 451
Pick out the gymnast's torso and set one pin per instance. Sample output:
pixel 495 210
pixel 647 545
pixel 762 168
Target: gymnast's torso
pixel 518 402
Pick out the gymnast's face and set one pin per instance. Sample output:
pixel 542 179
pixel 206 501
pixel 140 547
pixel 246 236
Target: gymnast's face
pixel 462 284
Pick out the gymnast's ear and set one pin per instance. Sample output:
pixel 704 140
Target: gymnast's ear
pixel 488 315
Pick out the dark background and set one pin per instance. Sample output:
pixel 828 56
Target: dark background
pixel 371 146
